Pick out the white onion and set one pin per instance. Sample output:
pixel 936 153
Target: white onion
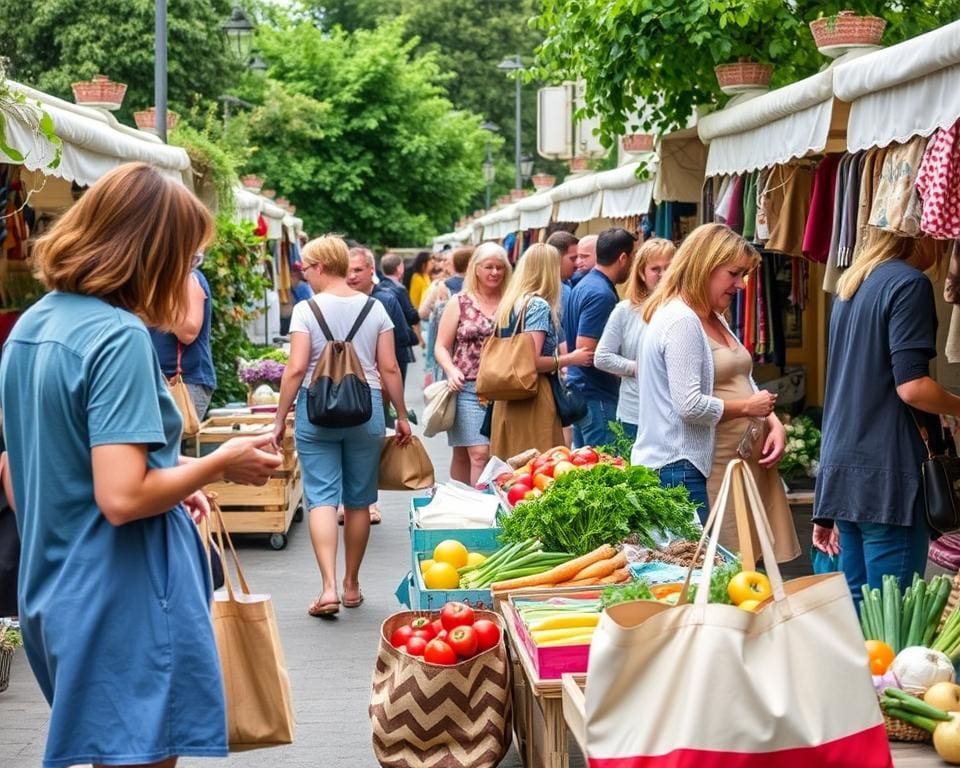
pixel 918 668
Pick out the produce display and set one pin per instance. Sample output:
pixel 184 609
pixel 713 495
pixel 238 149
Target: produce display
pixel 604 565
pixel 530 480
pixel 908 618
pixel 559 621
pixel 581 510
pixel 513 561
pixel 455 635
pixel 442 570
pixel 680 552
pixel 942 721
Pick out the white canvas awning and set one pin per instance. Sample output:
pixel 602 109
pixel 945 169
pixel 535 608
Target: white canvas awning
pixel 502 223
pixel 292 226
pixel 248 204
pixel 623 194
pixel 93 142
pixel 536 210
pixel 441 240
pixel 680 170
pixel 909 89
pixel 464 234
pixel 577 200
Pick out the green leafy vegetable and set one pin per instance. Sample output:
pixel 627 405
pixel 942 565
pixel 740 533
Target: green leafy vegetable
pixel 585 509
pixel 635 590
pixel 719 582
pixel 621 446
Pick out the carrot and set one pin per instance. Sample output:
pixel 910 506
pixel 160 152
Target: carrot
pixel 579 583
pixel 563 572
pixel 619 575
pixel 603 568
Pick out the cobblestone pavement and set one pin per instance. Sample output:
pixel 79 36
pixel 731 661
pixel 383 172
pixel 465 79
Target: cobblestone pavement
pixel 330 661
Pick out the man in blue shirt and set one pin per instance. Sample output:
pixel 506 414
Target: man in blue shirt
pixel 567 245
pixel 591 302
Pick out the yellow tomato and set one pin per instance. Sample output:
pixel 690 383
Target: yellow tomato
pixel 749 585
pixel 425 565
pixel 451 551
pixel 441 576
pixel 475 558
pixel 749 605
pixel 542 482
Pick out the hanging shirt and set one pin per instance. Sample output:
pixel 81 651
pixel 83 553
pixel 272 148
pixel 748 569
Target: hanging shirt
pixel 819 226
pixel 938 182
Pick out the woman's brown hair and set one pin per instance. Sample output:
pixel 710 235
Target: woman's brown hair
pixel 637 290
pixel 130 240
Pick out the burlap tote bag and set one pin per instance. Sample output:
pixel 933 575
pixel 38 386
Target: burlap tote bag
pixel 443 717
pixel 508 366
pixel 404 467
pixel 259 704
pixel 181 396
pixel 709 685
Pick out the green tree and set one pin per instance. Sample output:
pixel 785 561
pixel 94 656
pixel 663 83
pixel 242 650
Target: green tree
pixel 356 130
pixel 661 53
pixel 53 43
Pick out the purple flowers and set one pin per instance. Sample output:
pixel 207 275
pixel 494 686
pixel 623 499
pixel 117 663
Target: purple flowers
pixel 253 371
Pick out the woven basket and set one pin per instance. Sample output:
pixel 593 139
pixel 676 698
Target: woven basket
pixel 744 73
pixel 6 662
pixel 846 28
pixel 952 601
pixel 897 730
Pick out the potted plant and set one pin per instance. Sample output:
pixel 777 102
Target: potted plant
pixel 846 29
pixel 801 459
pixel 579 163
pixel 743 74
pixel 637 143
pixel 10 640
pixel 543 181
pixel 100 91
pixel 262 374
pixel 252 182
pixel 146 119
pixel 269 193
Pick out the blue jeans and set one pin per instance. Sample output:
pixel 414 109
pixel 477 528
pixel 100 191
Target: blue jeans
pixel 870 550
pixel 594 428
pixel 629 430
pixel 684 473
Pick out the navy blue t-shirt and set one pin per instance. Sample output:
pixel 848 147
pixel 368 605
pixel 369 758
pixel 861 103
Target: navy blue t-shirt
pixel 401 331
pixel 871 449
pixel 197 357
pixel 586 314
pixel 454 283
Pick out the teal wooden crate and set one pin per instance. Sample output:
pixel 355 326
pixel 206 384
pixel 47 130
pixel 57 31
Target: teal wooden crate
pixel 423 599
pixel 425 539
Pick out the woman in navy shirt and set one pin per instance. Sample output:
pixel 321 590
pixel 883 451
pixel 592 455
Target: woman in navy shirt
pixel 883 333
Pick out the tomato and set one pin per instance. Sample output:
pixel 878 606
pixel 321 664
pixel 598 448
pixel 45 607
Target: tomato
pixel 880 655
pixel 488 634
pixel 542 482
pixel 534 493
pixel 450 551
pixel 442 635
pixel 424 634
pixel 545 471
pixel 588 453
pixel 463 640
pixel 518 492
pixel 560 453
pixel 401 636
pixel 580 461
pixel 455 614
pixel 619 462
pixel 421 623
pixel 562 467
pixel 749 585
pixel 538 463
pixel 438 652
pixel 416 646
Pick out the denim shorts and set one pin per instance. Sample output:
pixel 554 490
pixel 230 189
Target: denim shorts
pixel 340 466
pixel 683 473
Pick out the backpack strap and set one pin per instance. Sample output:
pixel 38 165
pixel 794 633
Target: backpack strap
pixel 360 318
pixel 324 328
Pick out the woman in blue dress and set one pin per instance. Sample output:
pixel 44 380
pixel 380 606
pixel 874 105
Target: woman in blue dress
pixel 114 594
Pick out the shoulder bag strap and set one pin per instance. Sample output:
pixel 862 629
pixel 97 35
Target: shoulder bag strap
pixel 924 434
pixel 179 371
pixel 360 318
pixel 324 328
pixel 517 325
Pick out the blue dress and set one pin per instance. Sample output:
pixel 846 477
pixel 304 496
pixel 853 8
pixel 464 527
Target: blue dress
pixel 116 619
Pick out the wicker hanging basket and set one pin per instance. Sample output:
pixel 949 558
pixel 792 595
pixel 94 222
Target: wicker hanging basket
pixel 847 29
pixel 101 91
pixel 636 143
pixel 743 75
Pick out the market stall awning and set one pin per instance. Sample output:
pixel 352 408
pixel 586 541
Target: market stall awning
pixel 248 204
pixel 93 142
pixel 536 210
pixel 577 200
pixel 623 193
pixel 293 227
pixel 464 234
pixel 680 171
pixel 909 89
pixel 502 223
pixel 775 127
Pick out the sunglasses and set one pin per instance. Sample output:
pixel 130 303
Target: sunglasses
pixel 197 259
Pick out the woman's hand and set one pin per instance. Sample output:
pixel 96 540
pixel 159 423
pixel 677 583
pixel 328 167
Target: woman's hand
pixel 456 380
pixel 250 460
pixel 760 405
pixel 582 357
pixel 403 431
pixel 279 430
pixel 827 540
pixel 774 445
pixel 198 505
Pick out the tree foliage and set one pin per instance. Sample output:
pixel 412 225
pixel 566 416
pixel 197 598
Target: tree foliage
pixel 53 43
pixel 356 130
pixel 661 53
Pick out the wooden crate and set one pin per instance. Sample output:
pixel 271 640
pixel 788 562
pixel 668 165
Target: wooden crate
pixel 266 509
pixel 217 430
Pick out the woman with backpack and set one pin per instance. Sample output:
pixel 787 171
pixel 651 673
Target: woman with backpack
pixel 339 464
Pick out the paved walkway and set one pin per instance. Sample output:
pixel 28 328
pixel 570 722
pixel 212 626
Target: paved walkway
pixel 330 661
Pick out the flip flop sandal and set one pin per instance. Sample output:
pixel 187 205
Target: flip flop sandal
pixel 319 609
pixel 353 603
pixel 375 518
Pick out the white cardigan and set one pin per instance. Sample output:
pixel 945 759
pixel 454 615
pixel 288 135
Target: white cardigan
pixel 678 413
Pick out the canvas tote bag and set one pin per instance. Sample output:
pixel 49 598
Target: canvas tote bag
pixel 259 704
pixel 181 396
pixel 404 467
pixel 508 367
pixel 441 409
pixel 711 686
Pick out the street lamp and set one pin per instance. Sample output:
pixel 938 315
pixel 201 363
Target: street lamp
pixel 231 101
pixel 160 67
pixel 515 65
pixel 238 31
pixel 489 168
pixel 256 64
pixel 526 167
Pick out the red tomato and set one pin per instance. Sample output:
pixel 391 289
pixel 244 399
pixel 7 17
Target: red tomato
pixel 438 652
pixel 524 478
pixel 401 636
pixel 538 462
pixel 456 615
pixel 442 635
pixel 546 469
pixel 488 634
pixel 503 479
pixel 463 640
pixel 416 646
pixel 437 626
pixel 533 493
pixel 579 461
pixel 588 453
pixel 423 625
pixel 424 634
pixel 517 492
pixel 562 468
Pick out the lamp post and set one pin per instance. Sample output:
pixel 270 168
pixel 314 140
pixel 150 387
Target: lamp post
pixel 160 67
pixel 238 32
pixel 489 168
pixel 515 65
pixel 231 101
pixel 526 167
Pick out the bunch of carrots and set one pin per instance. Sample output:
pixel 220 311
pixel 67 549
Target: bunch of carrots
pixel 604 565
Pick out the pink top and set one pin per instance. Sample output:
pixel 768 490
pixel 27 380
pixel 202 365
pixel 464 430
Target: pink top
pixel 473 330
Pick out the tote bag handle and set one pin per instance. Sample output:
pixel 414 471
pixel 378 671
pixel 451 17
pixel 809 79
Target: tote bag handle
pixel 220 531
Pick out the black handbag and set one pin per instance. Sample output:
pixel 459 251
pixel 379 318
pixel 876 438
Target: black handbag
pixel 571 406
pixel 339 395
pixel 941 482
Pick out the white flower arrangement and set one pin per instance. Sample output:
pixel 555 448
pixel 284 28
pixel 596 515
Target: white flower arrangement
pixel 802 454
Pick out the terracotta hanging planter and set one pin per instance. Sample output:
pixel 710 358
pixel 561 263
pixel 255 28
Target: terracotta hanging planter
pixel 269 193
pixel 543 181
pixel 578 164
pixel 743 75
pixel 147 119
pixel 637 143
pixel 518 194
pixel 846 29
pixel 252 182
pixel 101 92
